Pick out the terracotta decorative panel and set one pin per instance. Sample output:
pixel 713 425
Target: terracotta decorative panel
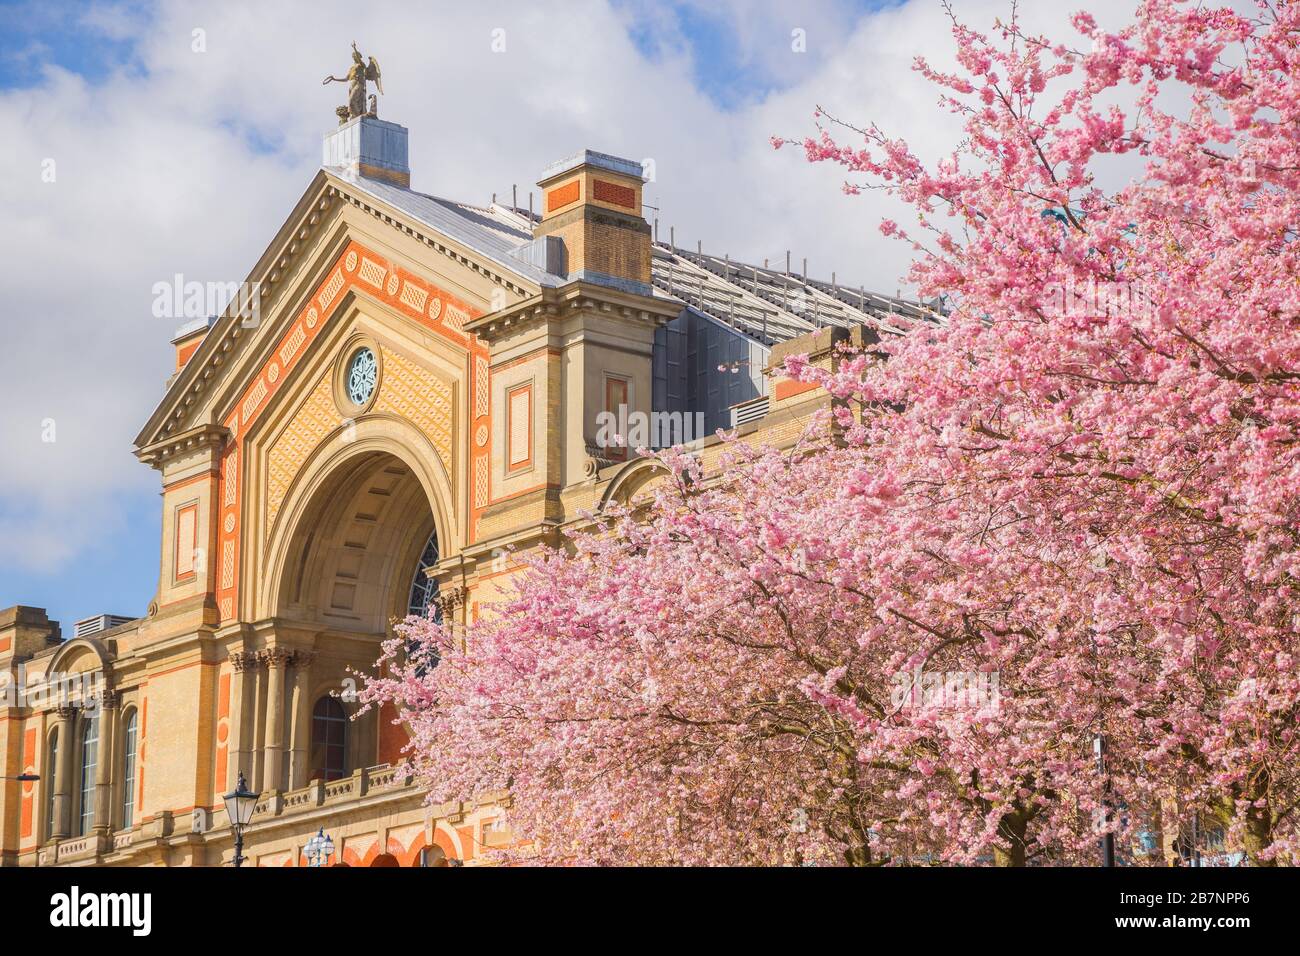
pixel 614 194
pixel 417 394
pixel 317 417
pixel 563 195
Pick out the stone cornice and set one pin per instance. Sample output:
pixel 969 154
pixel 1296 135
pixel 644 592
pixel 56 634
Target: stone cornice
pixel 574 297
pixel 193 439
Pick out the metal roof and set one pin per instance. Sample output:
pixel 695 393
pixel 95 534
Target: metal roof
pixel 764 304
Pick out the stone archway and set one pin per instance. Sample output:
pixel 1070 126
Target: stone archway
pixel 380 479
pixel 350 560
pixel 359 519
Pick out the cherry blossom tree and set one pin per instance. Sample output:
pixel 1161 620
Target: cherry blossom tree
pixel 1065 513
pixel 1120 371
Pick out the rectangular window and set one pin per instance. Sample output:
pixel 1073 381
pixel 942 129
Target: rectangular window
pixel 128 772
pixel 187 539
pixel 51 769
pixel 89 752
pixel 519 427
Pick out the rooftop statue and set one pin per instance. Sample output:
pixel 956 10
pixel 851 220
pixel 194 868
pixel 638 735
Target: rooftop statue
pixel 356 79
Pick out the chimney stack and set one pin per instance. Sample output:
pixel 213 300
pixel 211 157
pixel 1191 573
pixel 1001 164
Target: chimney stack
pixel 592 202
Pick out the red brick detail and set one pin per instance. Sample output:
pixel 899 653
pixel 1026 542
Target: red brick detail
pixel 223 729
pixel 788 388
pixel 183 352
pixel 29 766
pixel 563 195
pixel 392 735
pixel 624 196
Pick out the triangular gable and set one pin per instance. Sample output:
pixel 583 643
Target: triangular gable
pixel 227 340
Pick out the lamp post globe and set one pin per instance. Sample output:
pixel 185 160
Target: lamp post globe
pixel 319 848
pixel 240 805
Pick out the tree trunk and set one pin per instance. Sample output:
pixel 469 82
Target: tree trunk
pixel 858 855
pixel 1012 829
pixel 1259 835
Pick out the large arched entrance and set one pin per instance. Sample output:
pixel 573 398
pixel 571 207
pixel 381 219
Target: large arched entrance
pixel 355 559
pixel 351 564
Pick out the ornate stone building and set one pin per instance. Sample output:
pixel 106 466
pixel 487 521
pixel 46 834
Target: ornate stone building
pixel 415 387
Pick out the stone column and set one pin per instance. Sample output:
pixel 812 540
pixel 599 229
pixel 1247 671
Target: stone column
pixel 106 761
pixel 63 773
pixel 242 698
pixel 300 729
pixel 276 659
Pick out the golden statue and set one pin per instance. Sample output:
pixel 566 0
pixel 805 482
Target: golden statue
pixel 356 81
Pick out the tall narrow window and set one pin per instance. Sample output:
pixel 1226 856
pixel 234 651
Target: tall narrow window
pixel 89 746
pixel 128 772
pixel 51 770
pixel 329 727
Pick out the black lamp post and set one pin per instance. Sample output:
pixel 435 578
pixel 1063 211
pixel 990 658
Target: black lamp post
pixel 240 804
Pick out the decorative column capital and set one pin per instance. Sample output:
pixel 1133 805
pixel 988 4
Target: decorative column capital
pixel 67 711
pixel 303 658
pixel 244 661
pixel 276 656
pixel 449 599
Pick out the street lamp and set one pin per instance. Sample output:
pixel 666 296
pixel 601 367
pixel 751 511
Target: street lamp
pixel 240 804
pixel 320 848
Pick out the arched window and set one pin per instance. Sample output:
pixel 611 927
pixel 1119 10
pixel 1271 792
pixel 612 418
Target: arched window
pixel 89 746
pixel 422 604
pixel 128 770
pixel 51 769
pixel 423 588
pixel 329 727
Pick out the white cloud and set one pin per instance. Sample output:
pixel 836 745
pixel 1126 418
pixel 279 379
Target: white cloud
pixel 190 164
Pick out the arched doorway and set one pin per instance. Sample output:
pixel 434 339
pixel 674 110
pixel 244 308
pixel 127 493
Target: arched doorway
pixel 355 558
pixel 351 562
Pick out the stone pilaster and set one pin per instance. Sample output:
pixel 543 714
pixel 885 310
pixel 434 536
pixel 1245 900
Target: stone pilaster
pixel 300 752
pixel 105 761
pixel 67 718
pixel 243 695
pixel 276 659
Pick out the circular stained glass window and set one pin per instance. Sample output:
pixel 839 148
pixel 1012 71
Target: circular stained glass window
pixel 362 371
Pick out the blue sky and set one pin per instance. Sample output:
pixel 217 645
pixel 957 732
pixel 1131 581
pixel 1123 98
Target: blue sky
pixel 173 159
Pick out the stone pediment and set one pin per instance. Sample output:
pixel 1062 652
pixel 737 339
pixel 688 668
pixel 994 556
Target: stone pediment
pixel 332 212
